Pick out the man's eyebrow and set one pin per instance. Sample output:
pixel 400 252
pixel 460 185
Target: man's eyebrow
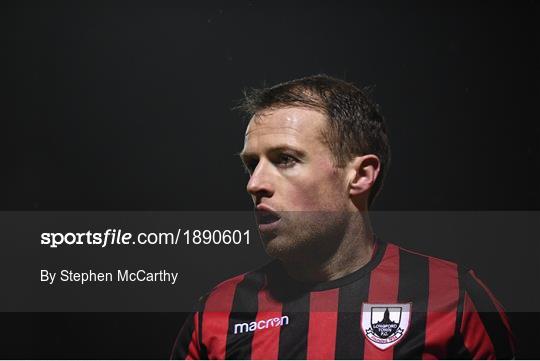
pixel 276 149
pixel 287 148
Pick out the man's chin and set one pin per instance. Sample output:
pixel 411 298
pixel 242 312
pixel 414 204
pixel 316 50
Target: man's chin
pixel 278 246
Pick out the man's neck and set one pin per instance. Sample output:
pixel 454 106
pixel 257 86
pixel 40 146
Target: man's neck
pixel 354 251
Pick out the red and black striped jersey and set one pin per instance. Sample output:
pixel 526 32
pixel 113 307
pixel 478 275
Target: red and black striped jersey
pixel 401 305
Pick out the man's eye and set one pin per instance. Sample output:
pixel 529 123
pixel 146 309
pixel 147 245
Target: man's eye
pixel 286 160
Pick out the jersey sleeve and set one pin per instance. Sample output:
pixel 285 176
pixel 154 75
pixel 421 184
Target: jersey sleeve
pixel 482 326
pixel 188 345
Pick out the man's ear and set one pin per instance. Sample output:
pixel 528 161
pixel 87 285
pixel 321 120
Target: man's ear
pixel 363 171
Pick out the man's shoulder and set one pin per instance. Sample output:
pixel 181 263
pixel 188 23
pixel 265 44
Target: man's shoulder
pixel 423 275
pixel 252 278
pixel 224 292
pixel 410 261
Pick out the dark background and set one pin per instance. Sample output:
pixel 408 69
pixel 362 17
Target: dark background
pixel 127 106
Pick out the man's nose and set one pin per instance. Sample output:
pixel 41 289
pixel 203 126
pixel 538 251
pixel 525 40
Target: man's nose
pixel 260 184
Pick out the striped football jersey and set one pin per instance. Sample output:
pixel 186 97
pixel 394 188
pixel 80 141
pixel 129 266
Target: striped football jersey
pixel 400 305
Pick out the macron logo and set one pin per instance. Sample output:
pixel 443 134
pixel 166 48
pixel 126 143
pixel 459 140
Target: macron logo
pixel 261 325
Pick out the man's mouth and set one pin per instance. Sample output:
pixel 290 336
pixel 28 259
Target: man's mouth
pixel 266 219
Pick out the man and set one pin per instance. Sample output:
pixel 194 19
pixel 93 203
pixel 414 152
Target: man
pixel 317 152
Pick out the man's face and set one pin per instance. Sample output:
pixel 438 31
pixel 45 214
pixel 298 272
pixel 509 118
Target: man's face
pixel 298 193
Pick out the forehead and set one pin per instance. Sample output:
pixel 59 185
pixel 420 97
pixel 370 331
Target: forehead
pixel 286 124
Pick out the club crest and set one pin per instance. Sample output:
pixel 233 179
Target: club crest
pixel 385 324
